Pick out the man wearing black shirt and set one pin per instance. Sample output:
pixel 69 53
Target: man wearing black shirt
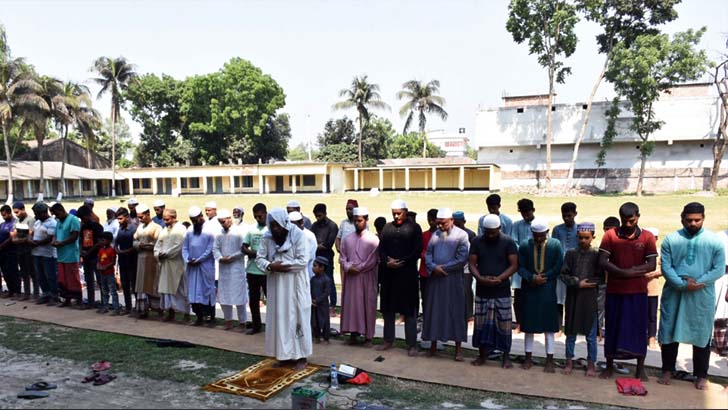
pixel 89 238
pixel 326 230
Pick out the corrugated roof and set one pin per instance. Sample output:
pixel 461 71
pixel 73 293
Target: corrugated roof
pixel 401 162
pixel 30 170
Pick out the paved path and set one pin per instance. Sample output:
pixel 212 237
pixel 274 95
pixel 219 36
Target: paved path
pixel 441 370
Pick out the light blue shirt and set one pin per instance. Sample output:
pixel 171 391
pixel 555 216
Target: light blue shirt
pixel 567 236
pixel 506 225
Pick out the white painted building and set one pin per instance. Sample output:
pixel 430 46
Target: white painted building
pixel 454 144
pixel 514 137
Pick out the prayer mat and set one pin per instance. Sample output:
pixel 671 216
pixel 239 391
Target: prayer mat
pixel 260 381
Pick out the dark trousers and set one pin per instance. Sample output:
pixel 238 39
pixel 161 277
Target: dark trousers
pixel 256 283
pixel 410 328
pixel 468 282
pixel 202 310
pixel 517 303
pixel 423 293
pixel 46 270
pixel 27 273
pixel 652 316
pixel 330 273
pixel 89 275
pixel 127 274
pixel 701 359
pixel 560 312
pixel 9 267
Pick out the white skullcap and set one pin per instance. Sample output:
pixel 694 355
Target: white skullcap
pixel 211 204
pixel 223 213
pixel 195 211
pixel 293 204
pixel 361 211
pixel 653 231
pixel 132 201
pixel 491 221
pixel 539 225
pixel 112 209
pixel 158 203
pixel 444 213
pixel 295 216
pixel 141 208
pixel 398 204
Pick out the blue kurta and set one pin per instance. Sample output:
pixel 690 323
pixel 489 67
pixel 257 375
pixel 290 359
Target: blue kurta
pixel 520 232
pixel 566 236
pixel 506 225
pixel 539 313
pixel 200 278
pixel 685 316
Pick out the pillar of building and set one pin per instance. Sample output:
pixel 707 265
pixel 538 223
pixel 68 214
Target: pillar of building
pixel 434 178
pixel 204 185
pixel 232 184
pixel 356 179
pixel 406 179
pixel 131 186
pixel 29 184
pixel 461 184
pixel 293 183
pixel 261 184
pixel 381 179
pixel 80 187
pixel 179 184
pixel 324 185
pixel 154 185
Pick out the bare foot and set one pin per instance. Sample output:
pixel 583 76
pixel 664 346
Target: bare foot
pixel 642 375
pixel 412 352
pixel 517 330
pixel 569 367
pixel 653 344
pixel 527 364
pixel 478 361
pixel 506 364
pixel 606 373
pixel 300 364
pixel 326 342
pixel 384 346
pixel 559 334
pixel 367 343
pixel 459 357
pixel 665 378
pixel 428 353
pixel 549 367
pixel 282 363
pixel 701 384
pixel 591 370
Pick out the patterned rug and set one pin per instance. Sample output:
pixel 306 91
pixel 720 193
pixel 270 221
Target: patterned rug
pixel 260 381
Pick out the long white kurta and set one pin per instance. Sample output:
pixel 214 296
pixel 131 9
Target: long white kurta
pixel 311 246
pixel 232 287
pixel 288 319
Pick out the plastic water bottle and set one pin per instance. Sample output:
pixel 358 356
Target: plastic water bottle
pixel 334 377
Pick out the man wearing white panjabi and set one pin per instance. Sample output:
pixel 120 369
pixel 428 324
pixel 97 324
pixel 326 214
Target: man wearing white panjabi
pixel 232 287
pixel 282 255
pixel 311 244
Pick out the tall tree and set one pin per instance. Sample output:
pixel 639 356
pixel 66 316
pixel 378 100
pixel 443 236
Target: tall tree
pixel 651 65
pixel 422 99
pixel 621 21
pixel 408 146
pixel 10 72
pixel 361 95
pixel 114 76
pixel 720 80
pixel 548 27
pixel 72 99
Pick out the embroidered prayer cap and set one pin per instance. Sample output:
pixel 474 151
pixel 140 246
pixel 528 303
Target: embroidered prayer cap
pixel 132 201
pixel 458 215
pixel 655 231
pixel 398 204
pixel 223 214
pixel 491 221
pixel 293 204
pixel 353 202
pixel 158 203
pixel 295 216
pixel 195 211
pixel 88 201
pixel 444 213
pixel 141 208
pixel 211 205
pixel 693 208
pixel 539 225
pixel 321 260
pixel 585 227
pixel 361 211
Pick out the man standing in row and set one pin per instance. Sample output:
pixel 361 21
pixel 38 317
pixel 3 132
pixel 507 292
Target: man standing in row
pixel 91 232
pixel 8 254
pixel 200 269
pixel 127 256
pixel 168 251
pixel 294 205
pixel 493 202
pixel 158 218
pixel 256 277
pixel 44 254
pixel 23 248
pixel 326 230
pixel 459 221
pixel 232 289
pixel 147 280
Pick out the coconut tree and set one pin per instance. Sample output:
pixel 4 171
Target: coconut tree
pixel 114 76
pixel 422 99
pixel 361 95
pixel 72 99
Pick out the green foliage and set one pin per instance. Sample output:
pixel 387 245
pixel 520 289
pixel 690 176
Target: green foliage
pixel 338 131
pixel 609 133
pixel 124 145
pixel 421 98
pixel 299 153
pixel 338 141
pixel 471 152
pixel 410 146
pixel 345 153
pixel 376 135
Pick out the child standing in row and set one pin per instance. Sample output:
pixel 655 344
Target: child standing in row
pixel 106 268
pixel 320 290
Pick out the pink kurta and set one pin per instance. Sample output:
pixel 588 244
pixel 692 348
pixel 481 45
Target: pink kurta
pixel 359 296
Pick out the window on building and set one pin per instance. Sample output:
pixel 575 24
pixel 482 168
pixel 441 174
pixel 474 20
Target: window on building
pixel 146 183
pixel 519 110
pixel 195 182
pixel 309 180
pixel 290 180
pixel 247 181
pixel 135 183
pixel 86 184
pixel 183 182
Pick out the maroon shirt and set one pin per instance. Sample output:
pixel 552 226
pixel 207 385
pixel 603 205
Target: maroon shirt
pixel 627 252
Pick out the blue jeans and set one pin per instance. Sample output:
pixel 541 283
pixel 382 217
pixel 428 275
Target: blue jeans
pixel 107 284
pixel 591 343
pixel 47 274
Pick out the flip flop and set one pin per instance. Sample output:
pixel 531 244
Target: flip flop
pixel 683 375
pixel 580 363
pixel 37 386
pixel 103 379
pixel 101 366
pixel 620 369
pixel 30 394
pixel 90 378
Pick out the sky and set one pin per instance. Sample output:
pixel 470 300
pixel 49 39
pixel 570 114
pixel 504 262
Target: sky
pixel 313 49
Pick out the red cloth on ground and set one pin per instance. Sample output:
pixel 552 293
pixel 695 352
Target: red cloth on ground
pixel 361 378
pixel 631 386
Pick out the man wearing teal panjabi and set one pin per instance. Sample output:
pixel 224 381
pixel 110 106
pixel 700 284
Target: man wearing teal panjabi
pixel 692 260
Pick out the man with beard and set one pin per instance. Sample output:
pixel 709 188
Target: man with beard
pixel 133 217
pixel 692 260
pixel 446 256
pixel 91 232
pixel 200 269
pixel 44 254
pixel 311 245
pixel 147 271
pixel 493 260
pixel 67 249
pixel 233 291
pixel 23 248
pixel 359 262
pixel 168 251
pixel 400 245
pixel 347 225
pixel 158 218
pixel 255 276
pixel 282 254
pixel 127 256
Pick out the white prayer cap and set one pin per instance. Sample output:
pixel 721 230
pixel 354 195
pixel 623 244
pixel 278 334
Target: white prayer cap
pixel 491 221
pixel 295 216
pixel 211 205
pixel 223 213
pixel 195 211
pixel 398 204
pixel 132 201
pixel 444 213
pixel 653 231
pixel 88 201
pixel 293 204
pixel 112 209
pixel 158 203
pixel 141 208
pixel 539 225
pixel 361 211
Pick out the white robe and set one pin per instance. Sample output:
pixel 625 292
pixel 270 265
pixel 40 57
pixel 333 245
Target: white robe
pixel 232 287
pixel 288 318
pixel 311 246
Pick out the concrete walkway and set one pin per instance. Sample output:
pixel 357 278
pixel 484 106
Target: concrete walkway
pixel 396 363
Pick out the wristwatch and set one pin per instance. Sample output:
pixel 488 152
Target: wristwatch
pixel 268 268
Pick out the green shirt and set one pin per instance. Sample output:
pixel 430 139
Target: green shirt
pixel 252 238
pixel 68 253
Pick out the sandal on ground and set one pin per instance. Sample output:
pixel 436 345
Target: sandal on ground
pixel 32 394
pixel 103 379
pixel 619 368
pixel 37 386
pixel 101 366
pixel 580 363
pixel 683 375
pixel 91 377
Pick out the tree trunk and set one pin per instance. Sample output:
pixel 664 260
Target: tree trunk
pixel 113 151
pixel 719 145
pixel 63 161
pixel 361 134
pixel 548 128
pixel 8 160
pixel 39 137
pixel 643 161
pixel 88 155
pixel 424 142
pixel 582 131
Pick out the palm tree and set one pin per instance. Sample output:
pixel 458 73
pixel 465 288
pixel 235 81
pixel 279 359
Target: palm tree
pixel 361 95
pixel 73 99
pixel 10 70
pixel 423 99
pixel 114 76
pixel 87 122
